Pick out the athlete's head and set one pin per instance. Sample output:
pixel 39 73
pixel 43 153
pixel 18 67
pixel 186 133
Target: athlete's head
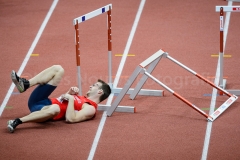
pixel 106 90
pixel 100 89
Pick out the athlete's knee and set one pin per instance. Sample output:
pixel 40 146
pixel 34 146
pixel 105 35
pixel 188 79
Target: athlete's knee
pixel 53 110
pixel 58 68
pixel 59 72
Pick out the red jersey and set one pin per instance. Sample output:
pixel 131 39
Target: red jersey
pixel 78 102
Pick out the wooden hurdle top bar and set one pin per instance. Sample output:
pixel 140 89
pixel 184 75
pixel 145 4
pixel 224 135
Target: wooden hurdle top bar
pixel 92 14
pixel 228 8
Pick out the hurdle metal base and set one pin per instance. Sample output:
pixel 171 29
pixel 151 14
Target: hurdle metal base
pixel 144 92
pixel 222 108
pixel 232 91
pixel 224 83
pixel 128 109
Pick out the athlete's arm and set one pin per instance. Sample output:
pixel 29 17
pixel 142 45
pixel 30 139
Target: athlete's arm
pixel 71 91
pixel 87 111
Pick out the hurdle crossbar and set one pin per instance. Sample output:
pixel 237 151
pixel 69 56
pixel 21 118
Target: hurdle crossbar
pixel 153 58
pixel 92 14
pixel 228 8
pixel 222 9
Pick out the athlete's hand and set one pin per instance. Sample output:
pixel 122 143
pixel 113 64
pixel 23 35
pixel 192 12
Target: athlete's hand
pixel 73 90
pixel 66 97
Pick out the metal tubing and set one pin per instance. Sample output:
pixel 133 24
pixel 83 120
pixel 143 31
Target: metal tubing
pixel 109 25
pixel 221 48
pixel 163 85
pixel 79 80
pixel 77 44
pixel 213 85
pixel 78 57
pixel 180 64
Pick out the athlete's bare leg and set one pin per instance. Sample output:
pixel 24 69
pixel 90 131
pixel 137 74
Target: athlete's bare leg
pixel 47 112
pixel 51 75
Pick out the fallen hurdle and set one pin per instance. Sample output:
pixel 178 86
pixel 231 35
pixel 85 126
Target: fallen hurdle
pixel 222 9
pixel 115 90
pixel 152 62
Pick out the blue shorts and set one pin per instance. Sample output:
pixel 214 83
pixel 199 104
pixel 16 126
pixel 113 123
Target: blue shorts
pixel 39 97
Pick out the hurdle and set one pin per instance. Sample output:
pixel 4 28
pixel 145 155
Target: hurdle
pixel 152 62
pixel 222 9
pixel 84 18
pixel 115 90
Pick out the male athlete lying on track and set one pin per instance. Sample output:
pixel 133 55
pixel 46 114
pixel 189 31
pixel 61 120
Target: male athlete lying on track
pixel 70 106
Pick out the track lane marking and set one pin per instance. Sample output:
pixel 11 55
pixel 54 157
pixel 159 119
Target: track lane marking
pixel 224 56
pixel 214 93
pixel 30 51
pixel 116 80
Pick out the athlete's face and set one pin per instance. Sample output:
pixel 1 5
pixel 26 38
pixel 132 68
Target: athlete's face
pixel 95 89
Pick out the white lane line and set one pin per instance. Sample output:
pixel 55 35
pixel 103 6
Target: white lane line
pixel 24 63
pixel 214 93
pixel 99 131
pixel 125 53
pixel 116 80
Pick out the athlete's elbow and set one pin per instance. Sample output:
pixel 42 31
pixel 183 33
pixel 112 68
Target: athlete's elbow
pixel 76 120
pixel 70 120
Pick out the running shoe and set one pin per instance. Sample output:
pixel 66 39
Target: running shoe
pixel 11 125
pixel 21 83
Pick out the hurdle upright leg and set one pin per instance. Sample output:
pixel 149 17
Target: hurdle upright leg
pixel 222 9
pixel 78 57
pixel 221 50
pixel 109 19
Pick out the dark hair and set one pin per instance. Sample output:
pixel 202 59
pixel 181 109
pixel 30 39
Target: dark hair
pixel 106 90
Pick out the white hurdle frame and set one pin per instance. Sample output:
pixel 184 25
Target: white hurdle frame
pixel 116 90
pixel 152 61
pixel 84 18
pixel 222 9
